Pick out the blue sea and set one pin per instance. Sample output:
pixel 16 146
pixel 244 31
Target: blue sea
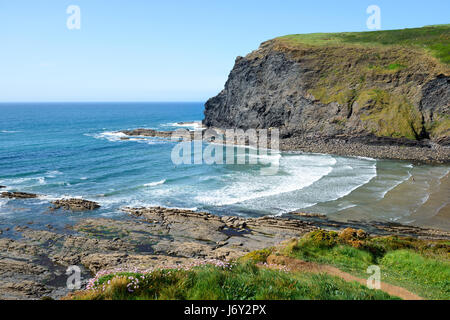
pixel 62 150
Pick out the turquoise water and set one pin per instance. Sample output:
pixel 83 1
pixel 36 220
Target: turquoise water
pixel 71 150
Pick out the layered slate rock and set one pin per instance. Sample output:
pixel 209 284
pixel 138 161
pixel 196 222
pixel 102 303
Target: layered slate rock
pixel 18 195
pixel 382 101
pixel 75 205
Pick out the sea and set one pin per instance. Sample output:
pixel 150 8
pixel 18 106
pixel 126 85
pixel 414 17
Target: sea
pixel 73 150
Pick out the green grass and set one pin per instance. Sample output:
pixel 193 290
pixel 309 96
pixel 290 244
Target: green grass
pixel 434 39
pixel 244 281
pixel 431 277
pixel 420 266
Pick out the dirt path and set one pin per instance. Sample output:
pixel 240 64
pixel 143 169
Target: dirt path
pixel 299 265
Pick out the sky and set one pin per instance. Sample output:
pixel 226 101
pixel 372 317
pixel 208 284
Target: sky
pixel 163 50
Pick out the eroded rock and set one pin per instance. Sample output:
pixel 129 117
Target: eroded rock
pixel 34 265
pixel 18 195
pixel 75 205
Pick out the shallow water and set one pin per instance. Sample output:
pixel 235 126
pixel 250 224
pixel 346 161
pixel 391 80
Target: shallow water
pixel 71 150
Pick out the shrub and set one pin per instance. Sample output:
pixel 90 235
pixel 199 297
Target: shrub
pixel 257 256
pixel 323 238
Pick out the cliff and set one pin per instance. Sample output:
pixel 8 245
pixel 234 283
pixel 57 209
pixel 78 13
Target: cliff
pixel 388 87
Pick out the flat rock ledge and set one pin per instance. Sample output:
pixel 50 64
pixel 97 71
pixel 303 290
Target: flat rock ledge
pixel 74 205
pixel 33 261
pixel 147 133
pixel 18 195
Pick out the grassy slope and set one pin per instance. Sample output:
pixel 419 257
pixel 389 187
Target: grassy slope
pixel 422 267
pixel 244 281
pixel 435 39
pixel 360 66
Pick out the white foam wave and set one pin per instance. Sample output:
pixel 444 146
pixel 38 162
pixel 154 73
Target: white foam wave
pixel 53 173
pixel 109 135
pixel 181 208
pixel 157 183
pixel 348 206
pixel 48 197
pixel 296 173
pixel 53 197
pixel 365 158
pixel 396 184
pixel 195 125
pixel 3 202
pixel 20 181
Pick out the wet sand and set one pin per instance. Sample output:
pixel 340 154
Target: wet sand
pixel 422 199
pixel 435 212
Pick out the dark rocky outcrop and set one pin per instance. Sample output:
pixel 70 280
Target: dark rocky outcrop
pixel 147 133
pixel 18 195
pixel 75 205
pixel 346 93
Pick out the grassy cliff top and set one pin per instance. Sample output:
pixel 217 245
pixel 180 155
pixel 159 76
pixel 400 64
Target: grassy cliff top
pixel 434 39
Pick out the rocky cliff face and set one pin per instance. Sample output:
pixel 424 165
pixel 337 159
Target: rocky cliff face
pixel 329 91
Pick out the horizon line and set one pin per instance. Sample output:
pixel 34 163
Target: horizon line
pixel 154 101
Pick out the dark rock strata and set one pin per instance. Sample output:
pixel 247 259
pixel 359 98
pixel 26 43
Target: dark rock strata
pixel 33 264
pixel 18 195
pixel 305 93
pixel 75 205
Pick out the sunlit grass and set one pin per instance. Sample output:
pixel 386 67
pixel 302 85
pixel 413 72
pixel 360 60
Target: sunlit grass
pixel 421 266
pixel 435 39
pixel 243 281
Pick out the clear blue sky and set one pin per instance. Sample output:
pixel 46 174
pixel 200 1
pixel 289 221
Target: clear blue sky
pixel 163 50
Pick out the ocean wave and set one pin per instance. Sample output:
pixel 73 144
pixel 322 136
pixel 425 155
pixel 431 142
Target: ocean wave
pixel 362 180
pixel 181 208
pixel 157 183
pixel 53 173
pixel 396 184
pixel 344 207
pixel 296 173
pixel 195 125
pixel 365 158
pixel 3 202
pixel 112 136
pixel 20 181
pixel 9 131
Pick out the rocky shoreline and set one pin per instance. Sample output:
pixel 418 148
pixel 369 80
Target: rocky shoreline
pixel 33 261
pixel 370 147
pixel 363 146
